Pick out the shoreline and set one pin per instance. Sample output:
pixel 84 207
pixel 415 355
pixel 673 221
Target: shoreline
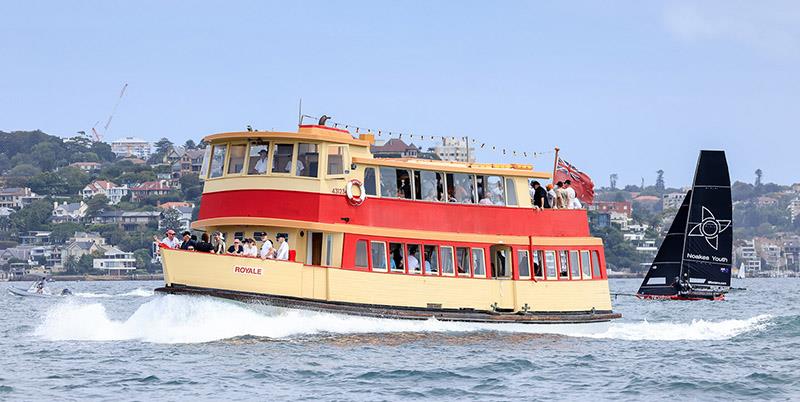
pixel 89 278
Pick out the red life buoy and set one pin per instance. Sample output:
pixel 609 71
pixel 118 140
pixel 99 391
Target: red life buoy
pixel 352 198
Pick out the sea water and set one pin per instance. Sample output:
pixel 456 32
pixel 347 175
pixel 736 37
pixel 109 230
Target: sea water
pixel 120 341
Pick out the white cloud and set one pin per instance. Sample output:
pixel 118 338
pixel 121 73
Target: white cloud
pixel 770 26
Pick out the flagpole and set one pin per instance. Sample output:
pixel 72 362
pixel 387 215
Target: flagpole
pixel 555 165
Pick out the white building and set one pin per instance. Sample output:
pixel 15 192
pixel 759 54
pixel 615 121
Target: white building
pixel 130 146
pixel 455 150
pixel 113 192
pixel 69 212
pixel 17 197
pixel 794 209
pixel 115 261
pixel 672 200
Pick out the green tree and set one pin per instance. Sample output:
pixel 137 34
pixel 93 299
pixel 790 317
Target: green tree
pixel 71 265
pixel 170 219
pixel 759 174
pixel 33 217
pixel 660 181
pixel 143 257
pixel 24 170
pixel 96 205
pixel 162 147
pixel 61 232
pixel 613 180
pixel 49 155
pixel 189 144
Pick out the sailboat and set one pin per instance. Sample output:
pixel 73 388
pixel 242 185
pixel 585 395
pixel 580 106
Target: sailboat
pixel 741 274
pixel 694 261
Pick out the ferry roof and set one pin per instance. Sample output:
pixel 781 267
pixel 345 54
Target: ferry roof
pixel 306 132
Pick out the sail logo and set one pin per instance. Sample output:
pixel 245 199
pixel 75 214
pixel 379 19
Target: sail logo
pixel 710 228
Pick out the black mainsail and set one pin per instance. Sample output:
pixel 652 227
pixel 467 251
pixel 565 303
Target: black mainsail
pixel 694 261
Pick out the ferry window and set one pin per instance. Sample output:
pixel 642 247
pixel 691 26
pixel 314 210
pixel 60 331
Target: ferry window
pixel 431 260
pixel 236 161
pixel 388 185
pixel 206 160
pixel 462 261
pixel 479 262
pixel 396 250
pixel 587 267
pixel 378 256
pixel 596 264
pixel 563 260
pixel 574 265
pixel 258 235
pixel 523 265
pixel 511 192
pixel 282 158
pixel 307 160
pixel 259 154
pixel 490 190
pixel 538 258
pixel 414 259
pixel 369 181
pixel 447 260
pixel 336 159
pixel 329 250
pixel 550 264
pixel 502 264
pixel 460 188
pixel 238 235
pixel 217 160
pixel 429 185
pixel 361 254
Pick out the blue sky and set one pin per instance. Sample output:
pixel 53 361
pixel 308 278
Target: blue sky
pixel 626 87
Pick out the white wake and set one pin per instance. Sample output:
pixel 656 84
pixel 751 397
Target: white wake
pixel 138 292
pixel 181 319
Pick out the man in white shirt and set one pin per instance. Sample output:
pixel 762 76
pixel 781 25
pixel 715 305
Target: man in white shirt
pixel 261 164
pixel 572 200
pixel 266 249
pixel 283 248
pixel 413 263
pixel 170 240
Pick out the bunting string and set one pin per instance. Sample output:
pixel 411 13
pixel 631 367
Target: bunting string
pixel 386 135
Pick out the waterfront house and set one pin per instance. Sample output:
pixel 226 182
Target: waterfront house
pixel 69 212
pixel 115 261
pixel 113 192
pixel 150 188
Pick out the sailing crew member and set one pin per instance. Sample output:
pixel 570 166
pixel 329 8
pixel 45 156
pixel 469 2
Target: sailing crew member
pixel 261 164
pixel 170 240
pixel 283 247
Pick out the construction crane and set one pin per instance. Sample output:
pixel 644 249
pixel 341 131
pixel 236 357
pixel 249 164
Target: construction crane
pixel 96 136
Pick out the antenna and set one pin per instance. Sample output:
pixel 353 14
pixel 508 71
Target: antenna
pixel 300 113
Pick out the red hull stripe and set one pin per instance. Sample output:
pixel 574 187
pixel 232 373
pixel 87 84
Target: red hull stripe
pixel 394 213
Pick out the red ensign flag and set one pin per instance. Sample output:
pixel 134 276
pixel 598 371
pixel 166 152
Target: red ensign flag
pixel 581 182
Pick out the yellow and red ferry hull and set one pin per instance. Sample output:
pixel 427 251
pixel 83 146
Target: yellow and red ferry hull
pixel 386 295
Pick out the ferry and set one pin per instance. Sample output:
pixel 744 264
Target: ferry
pixel 403 238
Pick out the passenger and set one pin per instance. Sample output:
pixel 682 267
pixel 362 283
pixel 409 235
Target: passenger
pixel 219 243
pixel 250 249
pixel 486 201
pixel 539 196
pixel 300 167
pixel 170 240
pixel 283 247
pixel 497 194
pixel 203 245
pixel 413 262
pixel 187 243
pixel 572 199
pixel 397 258
pixel 236 248
pixel 561 196
pixel 551 195
pixel 261 163
pixel 267 251
pixel 39 286
pixel 450 195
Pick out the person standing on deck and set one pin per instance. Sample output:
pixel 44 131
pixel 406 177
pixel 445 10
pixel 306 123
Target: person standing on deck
pixel 539 196
pixel 219 243
pixel 551 196
pixel 261 164
pixel 169 240
pixel 572 199
pixel 283 248
pixel 267 251
pixel 561 196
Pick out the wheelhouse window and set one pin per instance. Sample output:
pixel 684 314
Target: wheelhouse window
pixel 236 162
pixel 491 190
pixel 378 256
pixel 447 260
pixel 282 158
pixel 511 192
pixel 431 260
pixel 429 186
pixel 395 183
pixel 369 181
pixel 397 262
pixel 361 254
pixel 414 260
pixel 217 160
pixel 596 264
pixel 574 265
pixel 307 160
pixel 460 188
pixel 462 261
pixel 206 160
pixel 586 265
pixel 550 263
pixel 478 262
pixel 259 155
pixel 563 260
pixel 538 259
pixel 337 159
pixel 523 265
